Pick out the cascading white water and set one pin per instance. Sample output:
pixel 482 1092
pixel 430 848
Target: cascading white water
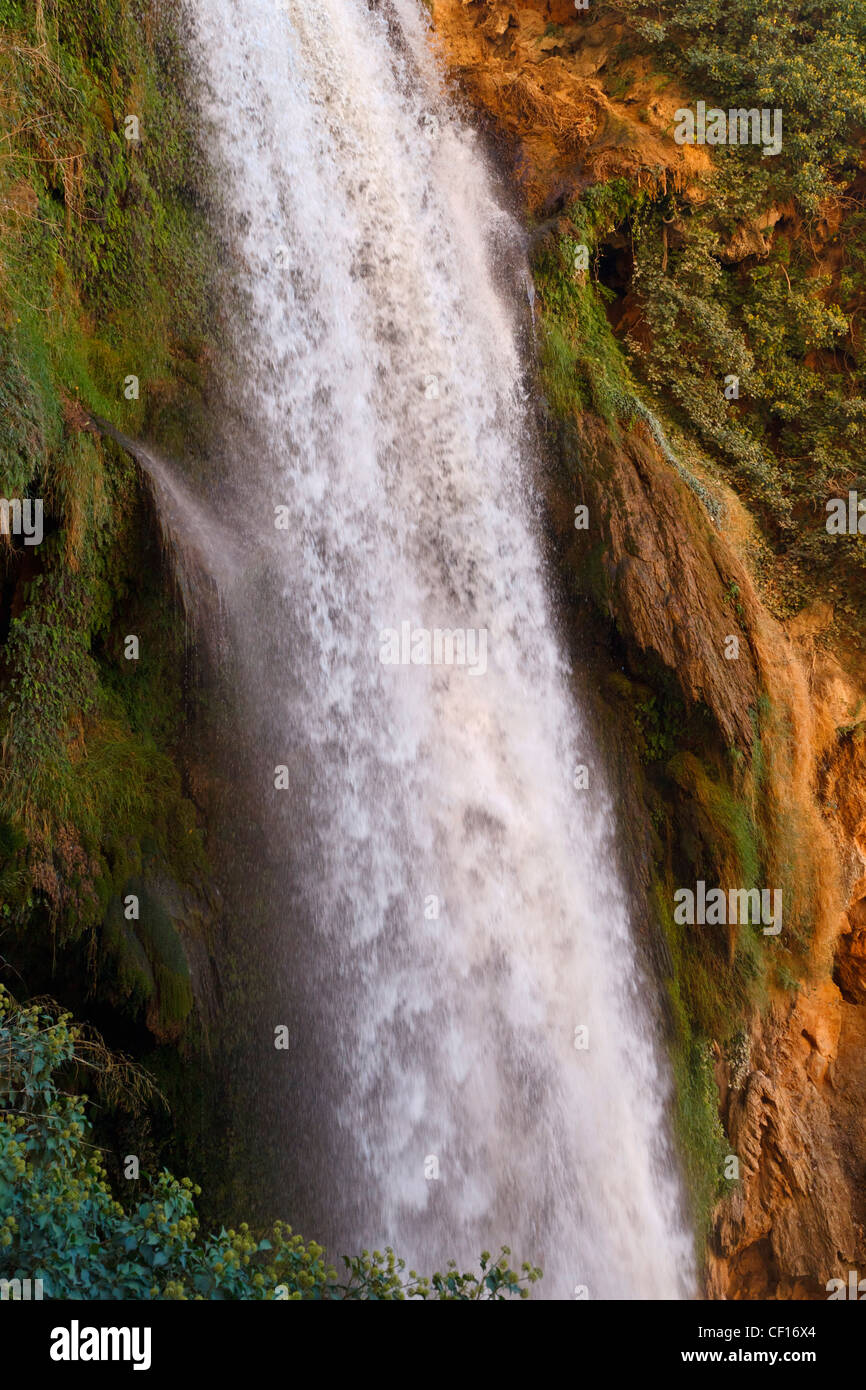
pixel 377 396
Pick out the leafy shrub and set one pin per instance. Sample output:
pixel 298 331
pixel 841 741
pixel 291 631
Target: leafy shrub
pixel 60 1222
pixel 761 274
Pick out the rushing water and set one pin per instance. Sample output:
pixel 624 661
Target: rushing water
pixel 440 901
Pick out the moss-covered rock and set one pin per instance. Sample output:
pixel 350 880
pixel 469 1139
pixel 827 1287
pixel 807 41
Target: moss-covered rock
pixel 105 265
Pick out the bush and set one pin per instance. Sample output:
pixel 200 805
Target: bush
pixel 60 1222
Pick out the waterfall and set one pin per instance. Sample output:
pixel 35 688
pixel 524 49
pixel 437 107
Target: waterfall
pixel 435 893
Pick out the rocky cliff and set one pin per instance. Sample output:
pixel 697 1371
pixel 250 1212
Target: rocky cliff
pixel 732 626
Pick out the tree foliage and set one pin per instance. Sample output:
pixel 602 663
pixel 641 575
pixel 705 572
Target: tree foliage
pixel 757 271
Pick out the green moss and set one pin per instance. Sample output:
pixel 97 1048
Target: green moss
pixel 23 427
pixel 104 274
pixel 708 819
pixel 143 971
pixel 734 830
pixel 784 828
pixel 582 364
pixel 702 1140
pixel 105 262
pixel 697 1012
pixel 130 977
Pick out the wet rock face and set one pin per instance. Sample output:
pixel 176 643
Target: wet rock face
pixel 843 789
pixel 797 1126
pixel 850 969
pixel 667 578
pixel 798 1123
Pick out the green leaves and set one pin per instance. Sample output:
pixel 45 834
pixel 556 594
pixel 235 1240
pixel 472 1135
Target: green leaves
pixel 804 58
pixel 61 1219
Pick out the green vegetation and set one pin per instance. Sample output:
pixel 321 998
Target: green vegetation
pixel 755 271
pixel 763 275
pixel 582 362
pixel 731 821
pixel 707 816
pixel 103 277
pixel 103 248
pixel 805 58
pixel 61 1223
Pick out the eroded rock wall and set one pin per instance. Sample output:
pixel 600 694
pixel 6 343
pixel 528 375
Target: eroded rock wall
pixel 675 583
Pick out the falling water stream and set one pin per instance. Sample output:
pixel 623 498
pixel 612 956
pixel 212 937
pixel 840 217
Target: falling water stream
pixel 445 922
